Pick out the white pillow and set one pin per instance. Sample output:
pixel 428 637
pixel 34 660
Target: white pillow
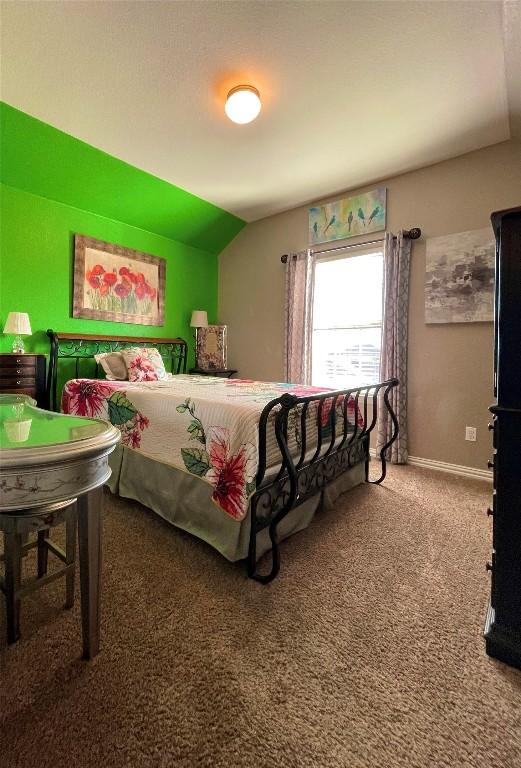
pixel 113 363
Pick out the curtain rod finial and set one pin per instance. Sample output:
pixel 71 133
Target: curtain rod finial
pixel 414 233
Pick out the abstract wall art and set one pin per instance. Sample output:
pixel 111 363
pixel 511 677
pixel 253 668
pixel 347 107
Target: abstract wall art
pixel 459 279
pixel 349 217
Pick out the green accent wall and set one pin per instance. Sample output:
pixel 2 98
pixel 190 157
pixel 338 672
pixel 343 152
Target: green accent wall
pixel 37 261
pixel 40 159
pixel 54 186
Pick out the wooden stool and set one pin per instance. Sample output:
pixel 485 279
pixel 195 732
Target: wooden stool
pixel 16 527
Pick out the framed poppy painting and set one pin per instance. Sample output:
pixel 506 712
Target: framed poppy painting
pixel 117 284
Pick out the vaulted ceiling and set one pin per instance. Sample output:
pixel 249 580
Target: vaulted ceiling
pixel 352 91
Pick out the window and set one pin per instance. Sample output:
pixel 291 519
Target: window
pixel 347 320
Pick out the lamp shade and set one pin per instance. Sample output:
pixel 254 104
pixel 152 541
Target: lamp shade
pixel 18 323
pixel 199 319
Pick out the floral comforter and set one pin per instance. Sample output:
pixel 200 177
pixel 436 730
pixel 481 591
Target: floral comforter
pixel 206 426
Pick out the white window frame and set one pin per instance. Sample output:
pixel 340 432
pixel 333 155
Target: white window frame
pixel 358 251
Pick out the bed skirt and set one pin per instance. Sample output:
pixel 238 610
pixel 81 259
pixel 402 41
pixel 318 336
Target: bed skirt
pixel 186 502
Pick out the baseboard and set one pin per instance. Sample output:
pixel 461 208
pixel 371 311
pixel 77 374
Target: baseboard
pixel 454 469
pixel 443 466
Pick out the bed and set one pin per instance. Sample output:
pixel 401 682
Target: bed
pixel 238 463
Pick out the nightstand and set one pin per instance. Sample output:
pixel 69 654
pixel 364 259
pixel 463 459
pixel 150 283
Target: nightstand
pixel 224 373
pixel 25 375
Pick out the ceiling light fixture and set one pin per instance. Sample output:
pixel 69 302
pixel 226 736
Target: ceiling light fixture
pixel 243 104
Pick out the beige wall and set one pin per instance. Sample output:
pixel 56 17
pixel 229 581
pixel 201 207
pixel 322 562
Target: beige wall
pixel 450 366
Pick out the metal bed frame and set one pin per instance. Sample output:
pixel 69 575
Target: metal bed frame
pixel 340 443
pixel 301 478
pixel 83 347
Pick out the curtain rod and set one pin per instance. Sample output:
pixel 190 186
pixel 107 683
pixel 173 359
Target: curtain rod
pixel 410 234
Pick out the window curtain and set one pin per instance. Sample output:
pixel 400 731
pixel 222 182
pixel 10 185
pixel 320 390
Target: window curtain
pixel 298 317
pixel 393 361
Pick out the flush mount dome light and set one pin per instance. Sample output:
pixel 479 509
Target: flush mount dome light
pixel 243 104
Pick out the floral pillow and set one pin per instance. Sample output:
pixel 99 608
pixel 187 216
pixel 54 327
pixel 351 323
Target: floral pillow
pixel 144 364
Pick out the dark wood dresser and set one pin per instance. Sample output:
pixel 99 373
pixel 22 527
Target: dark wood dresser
pixel 24 374
pixel 503 625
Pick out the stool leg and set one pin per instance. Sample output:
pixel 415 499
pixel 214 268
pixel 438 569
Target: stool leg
pixel 25 539
pixel 71 526
pixel 43 552
pixel 13 577
pixel 90 507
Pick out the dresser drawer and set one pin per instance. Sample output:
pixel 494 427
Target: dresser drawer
pixel 31 391
pixel 18 361
pixel 12 374
pixel 19 381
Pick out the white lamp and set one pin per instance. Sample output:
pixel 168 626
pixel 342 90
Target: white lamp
pixel 18 323
pixel 199 319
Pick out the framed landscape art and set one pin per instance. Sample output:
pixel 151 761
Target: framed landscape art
pixel 117 284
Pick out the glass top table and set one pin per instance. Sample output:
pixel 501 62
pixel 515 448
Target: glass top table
pixel 48 460
pixel 23 425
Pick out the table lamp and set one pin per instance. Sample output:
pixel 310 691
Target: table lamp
pixel 18 323
pixel 199 320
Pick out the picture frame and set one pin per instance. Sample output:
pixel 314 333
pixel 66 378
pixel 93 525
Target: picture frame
pixel 211 347
pixel 459 277
pixel 118 284
pixel 348 217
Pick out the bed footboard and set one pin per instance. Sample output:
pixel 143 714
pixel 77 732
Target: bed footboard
pixel 343 421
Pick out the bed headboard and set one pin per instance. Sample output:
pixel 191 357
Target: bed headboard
pixel 81 348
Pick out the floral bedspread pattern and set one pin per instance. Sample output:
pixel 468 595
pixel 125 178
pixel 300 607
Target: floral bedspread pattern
pixel 105 400
pixel 206 426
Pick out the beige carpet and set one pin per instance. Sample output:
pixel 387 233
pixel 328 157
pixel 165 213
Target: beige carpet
pixel 366 651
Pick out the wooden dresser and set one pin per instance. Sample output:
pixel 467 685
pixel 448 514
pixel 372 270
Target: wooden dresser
pixel 503 626
pixel 24 374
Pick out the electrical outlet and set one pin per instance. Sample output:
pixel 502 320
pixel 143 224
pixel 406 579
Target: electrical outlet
pixel 471 434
